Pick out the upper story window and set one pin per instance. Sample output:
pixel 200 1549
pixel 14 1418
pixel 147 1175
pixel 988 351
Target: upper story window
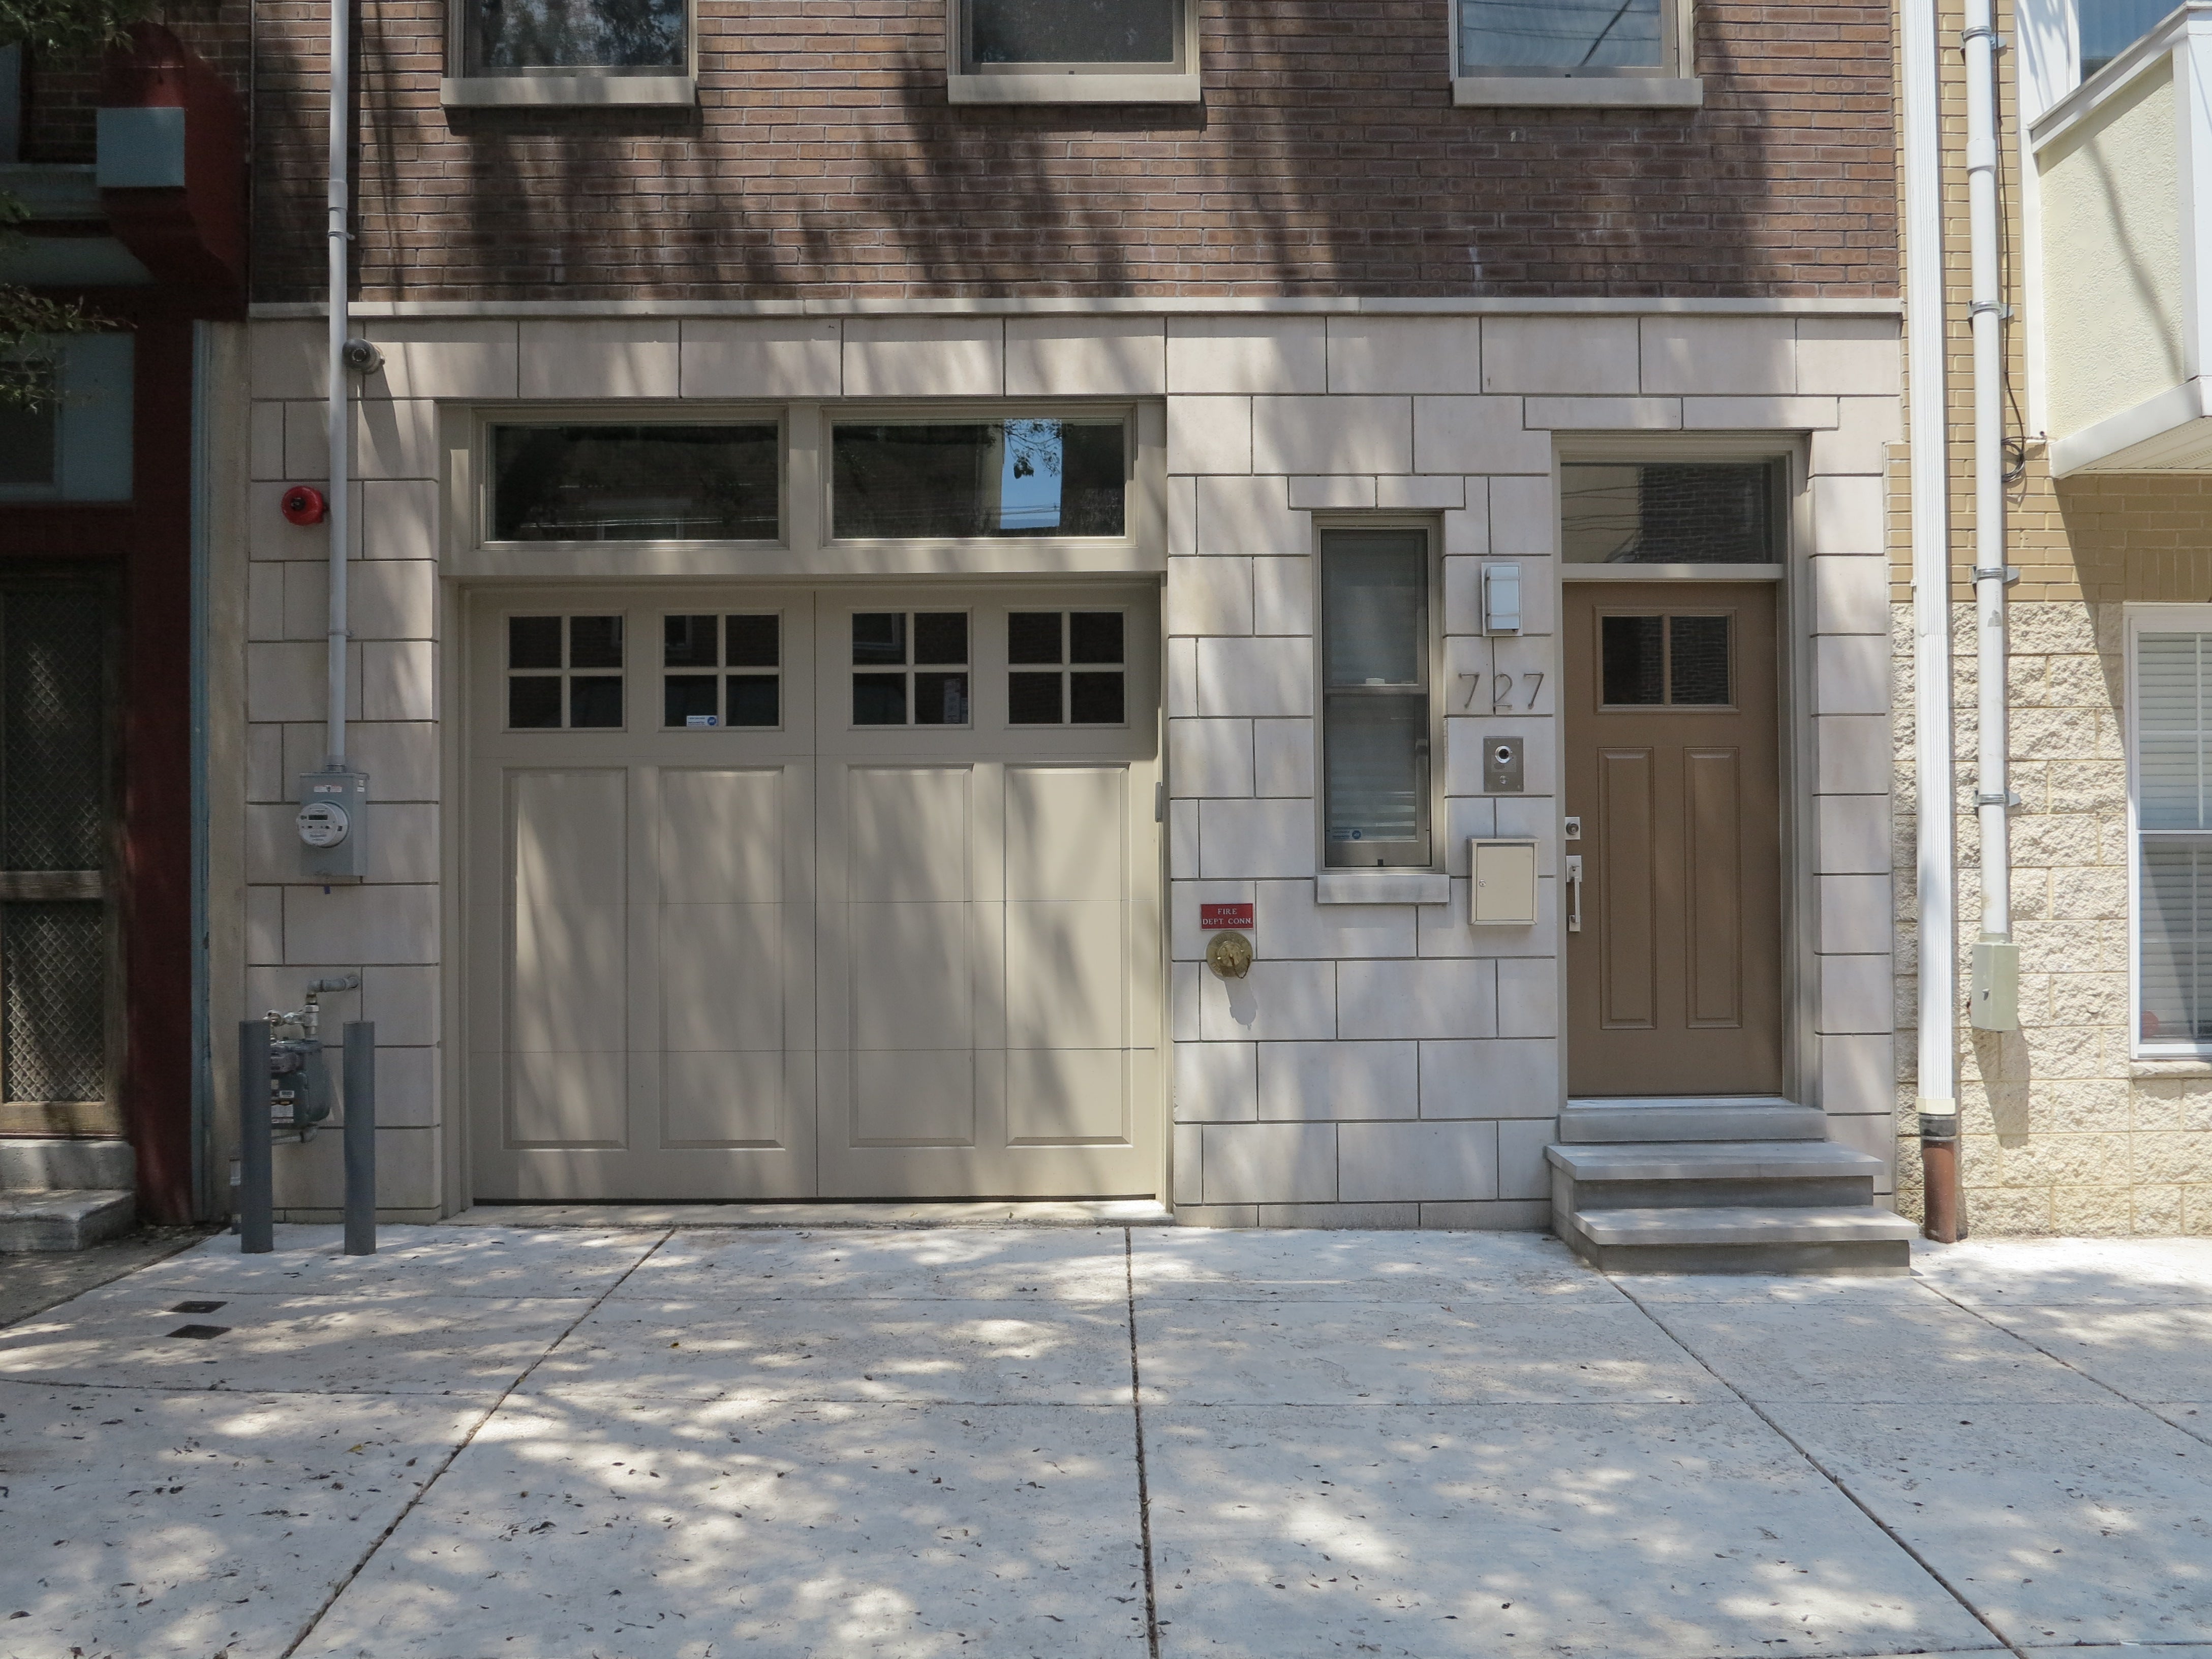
pixel 2109 28
pixel 1072 51
pixel 70 440
pixel 1572 51
pixel 571 52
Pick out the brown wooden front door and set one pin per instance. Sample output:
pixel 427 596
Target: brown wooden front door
pixel 1674 974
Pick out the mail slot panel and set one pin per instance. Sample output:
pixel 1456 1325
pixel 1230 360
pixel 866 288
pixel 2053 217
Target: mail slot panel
pixel 1502 883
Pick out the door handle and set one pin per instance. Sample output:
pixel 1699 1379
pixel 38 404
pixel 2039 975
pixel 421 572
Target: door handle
pixel 1574 892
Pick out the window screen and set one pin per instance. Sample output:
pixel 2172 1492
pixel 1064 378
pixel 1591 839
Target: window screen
pixel 1067 31
pixel 1561 35
pixel 1375 709
pixel 521 37
pixel 2174 822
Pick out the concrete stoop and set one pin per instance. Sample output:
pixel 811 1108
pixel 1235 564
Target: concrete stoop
pixel 1729 1185
pixel 62 1194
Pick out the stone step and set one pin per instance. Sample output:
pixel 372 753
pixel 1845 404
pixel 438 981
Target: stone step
pixel 1722 1117
pixel 1710 1160
pixel 45 1163
pixel 1744 1238
pixel 51 1221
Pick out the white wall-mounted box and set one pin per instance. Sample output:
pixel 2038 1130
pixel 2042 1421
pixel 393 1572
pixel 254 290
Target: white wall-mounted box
pixel 1502 884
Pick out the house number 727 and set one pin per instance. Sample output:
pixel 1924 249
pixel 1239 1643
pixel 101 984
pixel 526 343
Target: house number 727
pixel 1501 690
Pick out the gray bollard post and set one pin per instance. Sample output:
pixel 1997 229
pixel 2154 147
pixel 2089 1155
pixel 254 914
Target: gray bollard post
pixel 256 1199
pixel 361 1137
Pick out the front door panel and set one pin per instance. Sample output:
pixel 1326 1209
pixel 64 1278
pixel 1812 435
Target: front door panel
pixel 1674 980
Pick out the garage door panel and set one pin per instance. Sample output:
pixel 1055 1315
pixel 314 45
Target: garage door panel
pixel 1064 832
pixel 722 835
pixel 722 976
pixel 914 1097
pixel 567 1097
pixel 1068 1097
pixel 913 984
pixel 726 1098
pixel 1067 974
pixel 906 834
pixel 568 968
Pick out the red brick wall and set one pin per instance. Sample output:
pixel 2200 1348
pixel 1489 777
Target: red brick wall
pixel 61 94
pixel 824 161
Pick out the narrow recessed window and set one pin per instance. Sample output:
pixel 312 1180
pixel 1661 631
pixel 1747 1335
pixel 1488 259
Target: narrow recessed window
pixel 910 668
pixel 2174 836
pixel 1066 667
pixel 955 481
pixel 1377 711
pixel 30 425
pixel 1566 37
pixel 749 648
pixel 635 484
pixel 541 36
pixel 1674 512
pixel 564 672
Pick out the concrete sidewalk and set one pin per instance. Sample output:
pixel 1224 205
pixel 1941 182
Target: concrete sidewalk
pixel 491 1443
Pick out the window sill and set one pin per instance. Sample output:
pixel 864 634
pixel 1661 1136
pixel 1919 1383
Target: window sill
pixel 1536 91
pixel 590 91
pixel 1075 89
pixel 1381 887
pixel 2142 1067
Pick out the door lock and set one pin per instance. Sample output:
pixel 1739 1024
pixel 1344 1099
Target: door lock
pixel 1574 892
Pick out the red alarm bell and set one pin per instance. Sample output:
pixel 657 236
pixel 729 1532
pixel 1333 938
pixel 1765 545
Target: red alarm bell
pixel 304 504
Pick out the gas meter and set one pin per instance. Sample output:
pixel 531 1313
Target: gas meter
pixel 299 1078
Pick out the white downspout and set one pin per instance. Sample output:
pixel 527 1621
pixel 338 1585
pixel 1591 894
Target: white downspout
pixel 1993 1006
pixel 341 423
pixel 1926 423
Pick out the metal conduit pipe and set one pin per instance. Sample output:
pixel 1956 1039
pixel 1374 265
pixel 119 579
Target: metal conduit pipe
pixel 1993 1005
pixel 341 423
pixel 1926 430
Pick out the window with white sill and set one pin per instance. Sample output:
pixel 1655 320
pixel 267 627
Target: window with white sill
pixel 2172 790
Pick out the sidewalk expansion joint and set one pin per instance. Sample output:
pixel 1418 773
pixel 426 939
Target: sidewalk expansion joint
pixel 1144 1484
pixel 1826 1473
pixel 475 1428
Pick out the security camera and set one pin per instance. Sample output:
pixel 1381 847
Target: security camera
pixel 362 356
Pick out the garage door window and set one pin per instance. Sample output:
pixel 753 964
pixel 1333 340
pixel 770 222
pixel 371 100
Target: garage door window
pixel 750 647
pixel 1066 668
pixel 564 672
pixel 910 668
pixel 643 483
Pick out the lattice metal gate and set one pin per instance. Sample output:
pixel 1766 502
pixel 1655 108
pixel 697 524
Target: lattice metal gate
pixel 57 972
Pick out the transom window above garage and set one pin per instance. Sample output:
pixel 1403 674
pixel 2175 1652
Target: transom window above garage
pixel 564 672
pixel 910 668
pixel 958 480
pixel 1065 668
pixel 749 647
pixel 635 482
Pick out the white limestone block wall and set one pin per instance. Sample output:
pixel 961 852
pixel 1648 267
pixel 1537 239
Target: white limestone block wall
pixel 1386 1064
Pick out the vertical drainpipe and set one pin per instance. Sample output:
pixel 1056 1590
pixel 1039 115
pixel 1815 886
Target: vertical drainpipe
pixel 205 1200
pixel 1993 1005
pixel 1926 435
pixel 341 425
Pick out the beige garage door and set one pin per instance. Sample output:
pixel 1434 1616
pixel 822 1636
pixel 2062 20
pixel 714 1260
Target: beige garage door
pixel 847 892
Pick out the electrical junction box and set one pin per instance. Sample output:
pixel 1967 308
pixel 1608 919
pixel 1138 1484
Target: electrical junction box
pixel 1501 598
pixel 1994 1005
pixel 333 825
pixel 1502 883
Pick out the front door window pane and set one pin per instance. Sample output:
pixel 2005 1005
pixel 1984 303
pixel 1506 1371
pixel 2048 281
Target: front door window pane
pixel 512 36
pixel 1632 651
pixel 956 480
pixel 1560 34
pixel 1697 660
pixel 641 482
pixel 1072 31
